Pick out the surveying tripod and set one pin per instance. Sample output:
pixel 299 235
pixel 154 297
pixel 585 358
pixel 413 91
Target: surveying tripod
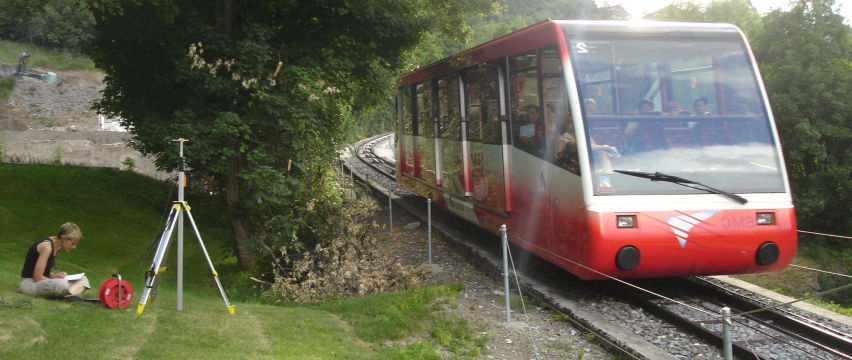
pixel 179 206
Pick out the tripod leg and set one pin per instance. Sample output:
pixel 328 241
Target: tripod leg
pixel 209 262
pixel 151 275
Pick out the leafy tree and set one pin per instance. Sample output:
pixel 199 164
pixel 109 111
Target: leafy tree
pixel 514 15
pixel 16 18
pixel 263 87
pixel 804 57
pixel 737 12
pixel 55 24
pixel 68 25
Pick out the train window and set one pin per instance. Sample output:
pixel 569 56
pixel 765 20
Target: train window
pixel 475 110
pixel 692 78
pixel 559 146
pixel 524 97
pixel 450 146
pixel 449 114
pixel 483 101
pixel 424 110
pixel 405 118
pixel 597 79
pixel 686 107
pixel 425 165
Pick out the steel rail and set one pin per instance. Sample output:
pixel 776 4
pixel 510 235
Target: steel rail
pixel 807 330
pixel 364 151
pixel 801 330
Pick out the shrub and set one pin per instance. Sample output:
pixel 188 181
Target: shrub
pixel 57 156
pixel 7 84
pixel 347 263
pixel 129 162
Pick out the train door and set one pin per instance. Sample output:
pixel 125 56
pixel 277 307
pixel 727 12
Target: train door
pixel 530 172
pixel 405 130
pixel 424 148
pixel 565 195
pixel 484 138
pixel 451 152
pixel 450 134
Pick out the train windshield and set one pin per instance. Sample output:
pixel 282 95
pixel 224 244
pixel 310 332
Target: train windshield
pixel 687 107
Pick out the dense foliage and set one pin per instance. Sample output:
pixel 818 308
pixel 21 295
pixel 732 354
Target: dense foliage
pixel 262 87
pixel 52 24
pixel 514 15
pixel 809 80
pixel 737 12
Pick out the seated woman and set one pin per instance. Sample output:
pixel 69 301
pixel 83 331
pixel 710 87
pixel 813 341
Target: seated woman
pixel 37 279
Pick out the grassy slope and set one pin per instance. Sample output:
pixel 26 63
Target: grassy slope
pixel 119 214
pixel 44 59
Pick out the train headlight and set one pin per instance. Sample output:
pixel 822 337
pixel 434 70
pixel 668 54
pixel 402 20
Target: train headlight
pixel 765 218
pixel 625 221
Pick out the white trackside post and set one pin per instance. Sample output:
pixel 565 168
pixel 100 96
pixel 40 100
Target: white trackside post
pixel 505 246
pixel 429 226
pixel 390 210
pixel 726 334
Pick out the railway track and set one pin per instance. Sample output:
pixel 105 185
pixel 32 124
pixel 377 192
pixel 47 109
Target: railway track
pixel 365 151
pixel 691 306
pixel 694 304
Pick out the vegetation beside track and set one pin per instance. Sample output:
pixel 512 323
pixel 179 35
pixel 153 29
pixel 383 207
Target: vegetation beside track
pixel 56 60
pixel 120 213
pixel 799 283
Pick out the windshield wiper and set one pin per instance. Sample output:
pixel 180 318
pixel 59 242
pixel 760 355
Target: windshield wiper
pixel 658 176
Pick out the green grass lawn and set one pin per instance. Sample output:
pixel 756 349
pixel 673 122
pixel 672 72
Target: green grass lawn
pixel 119 214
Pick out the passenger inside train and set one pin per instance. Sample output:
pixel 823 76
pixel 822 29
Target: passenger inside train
pixel 530 130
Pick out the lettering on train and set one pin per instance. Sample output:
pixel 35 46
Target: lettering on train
pixel 737 222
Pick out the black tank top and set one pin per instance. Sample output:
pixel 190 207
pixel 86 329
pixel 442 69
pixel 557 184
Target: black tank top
pixel 32 257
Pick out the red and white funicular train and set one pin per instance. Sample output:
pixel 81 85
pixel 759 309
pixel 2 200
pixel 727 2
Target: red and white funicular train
pixel 627 149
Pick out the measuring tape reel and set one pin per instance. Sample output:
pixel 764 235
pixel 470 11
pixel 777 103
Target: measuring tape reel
pixel 114 297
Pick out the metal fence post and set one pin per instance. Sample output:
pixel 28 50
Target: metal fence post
pixel 429 226
pixel 726 334
pixel 390 209
pixel 505 246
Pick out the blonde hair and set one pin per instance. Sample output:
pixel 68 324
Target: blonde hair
pixel 70 231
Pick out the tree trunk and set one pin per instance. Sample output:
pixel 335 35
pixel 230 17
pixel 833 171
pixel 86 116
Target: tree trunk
pixel 239 222
pixel 224 15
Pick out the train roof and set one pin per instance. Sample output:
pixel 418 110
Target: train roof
pixel 604 28
pixel 547 32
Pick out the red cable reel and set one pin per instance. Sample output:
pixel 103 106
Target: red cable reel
pixel 110 292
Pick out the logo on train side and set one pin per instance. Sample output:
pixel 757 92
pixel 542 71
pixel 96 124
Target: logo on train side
pixel 681 225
